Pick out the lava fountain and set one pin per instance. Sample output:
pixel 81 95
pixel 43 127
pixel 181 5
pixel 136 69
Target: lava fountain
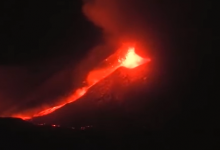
pixel 125 57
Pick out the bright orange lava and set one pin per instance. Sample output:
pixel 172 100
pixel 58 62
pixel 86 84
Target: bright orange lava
pixel 132 60
pixel 129 60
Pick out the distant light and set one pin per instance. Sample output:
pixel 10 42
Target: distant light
pixel 82 128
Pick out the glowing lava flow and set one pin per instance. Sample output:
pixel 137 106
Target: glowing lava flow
pixel 127 58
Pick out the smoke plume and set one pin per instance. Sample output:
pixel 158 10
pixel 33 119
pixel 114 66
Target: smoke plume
pixel 123 21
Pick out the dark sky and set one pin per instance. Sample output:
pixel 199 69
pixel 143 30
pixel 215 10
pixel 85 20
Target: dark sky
pixel 42 42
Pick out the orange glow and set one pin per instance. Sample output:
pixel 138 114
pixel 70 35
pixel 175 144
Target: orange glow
pixel 132 60
pixel 122 58
pixel 54 125
pixel 49 110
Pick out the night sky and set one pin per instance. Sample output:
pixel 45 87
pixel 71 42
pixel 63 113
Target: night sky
pixel 44 45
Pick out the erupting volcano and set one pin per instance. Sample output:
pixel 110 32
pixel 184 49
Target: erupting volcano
pixel 124 57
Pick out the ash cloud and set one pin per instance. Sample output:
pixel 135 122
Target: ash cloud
pixel 118 19
pixel 125 21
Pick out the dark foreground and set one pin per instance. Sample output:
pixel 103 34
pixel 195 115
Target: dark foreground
pixel 19 134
